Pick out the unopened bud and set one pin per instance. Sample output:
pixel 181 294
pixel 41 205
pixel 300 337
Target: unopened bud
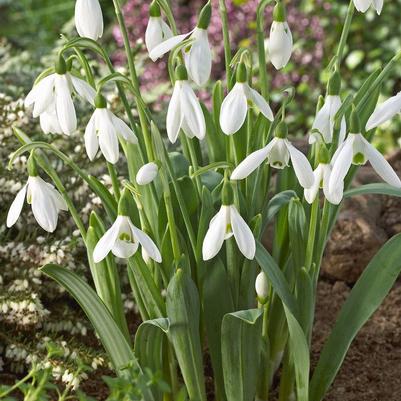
pixel 262 287
pixel 147 173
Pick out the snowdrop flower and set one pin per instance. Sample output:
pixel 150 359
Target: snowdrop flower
pixel 46 201
pixel 49 121
pixel 357 150
pixel 262 287
pixel 157 31
pixel 197 55
pixel 363 5
pixel 235 106
pixel 53 96
pixel 225 224
pixel 123 238
pixel 280 41
pixel 103 130
pixel 324 121
pixel 277 153
pixel 147 173
pixel 384 112
pixel 89 19
pixel 184 111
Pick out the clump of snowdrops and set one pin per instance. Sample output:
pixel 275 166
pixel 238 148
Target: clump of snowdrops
pixel 202 281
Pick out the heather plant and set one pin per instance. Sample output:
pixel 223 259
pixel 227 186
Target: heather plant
pixel 187 225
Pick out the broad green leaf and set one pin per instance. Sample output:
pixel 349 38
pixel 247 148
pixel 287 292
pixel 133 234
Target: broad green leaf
pixel 180 164
pixel 276 203
pixel 365 297
pixel 379 188
pixel 297 231
pixel 240 348
pixel 215 307
pixel 183 312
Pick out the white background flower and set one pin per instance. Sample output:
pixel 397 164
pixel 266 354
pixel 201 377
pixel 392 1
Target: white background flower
pixel 157 31
pixel 147 173
pixel 280 44
pixel 89 19
pixel 363 5
pixel 384 112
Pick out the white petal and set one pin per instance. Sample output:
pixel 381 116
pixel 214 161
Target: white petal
pixel 44 95
pixel 106 243
pixel 279 155
pixel 381 165
pixel 362 5
pixel 147 243
pixel 49 121
pixel 378 6
pixel 91 141
pixel 335 196
pixel 43 206
pixel 64 105
pixel 174 113
pixel 83 89
pixel 301 166
pixel 280 44
pixel 147 173
pixel 341 166
pixel 242 234
pixel 123 130
pixel 384 112
pixel 322 124
pixel 16 207
pixel 192 111
pixel 311 193
pixel 261 104
pixel 251 162
pixel 57 198
pixel 233 110
pixel 108 140
pixel 198 59
pixel 214 237
pixel 124 249
pixel 167 45
pixel 89 19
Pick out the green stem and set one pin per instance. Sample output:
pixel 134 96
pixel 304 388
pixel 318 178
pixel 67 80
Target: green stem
pixel 114 180
pixel 312 233
pixel 17 384
pixel 226 40
pixel 344 34
pixel 195 165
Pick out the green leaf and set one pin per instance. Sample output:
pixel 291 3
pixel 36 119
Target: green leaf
pixel 240 348
pixel 215 307
pixel 297 231
pixel 183 311
pixel 379 188
pixel 276 203
pixel 108 201
pixel 365 297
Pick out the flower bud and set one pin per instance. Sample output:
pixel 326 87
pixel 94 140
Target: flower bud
pixel 60 66
pixel 279 13
pixel 262 287
pixel 100 101
pixel 204 16
pixel 147 173
pixel 154 9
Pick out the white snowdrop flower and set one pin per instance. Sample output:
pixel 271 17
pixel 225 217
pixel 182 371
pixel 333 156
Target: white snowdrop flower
pixel 277 153
pixel 46 201
pixel 262 286
pixel 280 41
pixel 54 93
pixel 225 224
pixel 123 238
pixel 235 106
pixel 147 173
pixel 384 112
pixel 103 130
pixel 157 31
pixel 49 121
pixel 184 111
pixel 197 55
pixel 89 19
pixel 324 120
pixel 357 150
pixel 363 5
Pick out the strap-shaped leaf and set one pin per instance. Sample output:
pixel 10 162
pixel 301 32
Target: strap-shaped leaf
pixel 240 349
pixel 276 203
pixel 380 188
pixel 183 311
pixel 365 297
pixel 110 335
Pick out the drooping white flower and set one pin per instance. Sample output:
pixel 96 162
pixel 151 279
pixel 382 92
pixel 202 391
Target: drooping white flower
pixel 123 240
pixel 235 106
pixel 89 19
pixel 324 121
pixel 103 130
pixel 184 111
pixel 49 121
pixel 157 31
pixel 384 112
pixel 225 224
pixel 53 94
pixel 262 286
pixel 280 40
pixel 277 153
pixel 321 180
pixel 363 5
pixel 46 203
pixel 197 55
pixel 357 150
pixel 147 173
